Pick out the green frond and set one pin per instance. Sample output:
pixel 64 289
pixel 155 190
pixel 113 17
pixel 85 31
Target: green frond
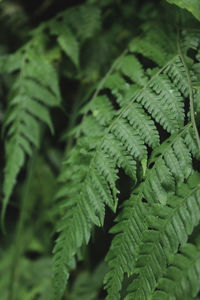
pixel 83 20
pixel 154 44
pixel 102 110
pixel 89 20
pixel 130 144
pixel 174 157
pixel 118 152
pixel 34 274
pixel 181 280
pixel 169 227
pixel 130 139
pixel 69 44
pixel 171 95
pixel 132 68
pixel 143 124
pixel 158 185
pixel 190 140
pixel 124 137
pixel 177 73
pixel 10 63
pixel 121 255
pixel 158 108
pixel 34 92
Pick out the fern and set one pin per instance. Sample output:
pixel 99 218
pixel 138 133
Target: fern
pixel 130 143
pixel 163 97
pixel 30 99
pixel 182 276
pixel 170 226
pixel 70 33
pixel 131 224
pixel 32 95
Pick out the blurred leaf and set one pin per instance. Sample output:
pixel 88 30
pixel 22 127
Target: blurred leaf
pixel 192 6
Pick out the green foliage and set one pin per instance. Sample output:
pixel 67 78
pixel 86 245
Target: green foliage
pixel 101 125
pixel 181 276
pixel 191 5
pixel 30 97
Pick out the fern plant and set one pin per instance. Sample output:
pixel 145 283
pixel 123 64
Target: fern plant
pixel 131 149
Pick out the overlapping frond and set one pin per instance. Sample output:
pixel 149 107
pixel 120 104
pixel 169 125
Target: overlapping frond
pixel 134 136
pixel 119 129
pixel 159 183
pixel 170 163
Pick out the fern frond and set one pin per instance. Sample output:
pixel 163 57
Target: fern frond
pixel 120 258
pixel 35 91
pixel 157 186
pixel 73 26
pixel 171 96
pixel 163 97
pixel 168 163
pixel 143 124
pixel 131 67
pixel 132 141
pixel 181 280
pixel 177 73
pixel 154 44
pixel 169 227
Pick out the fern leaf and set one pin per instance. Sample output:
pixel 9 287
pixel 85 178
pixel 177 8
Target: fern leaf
pixel 154 45
pixel 132 142
pixel 124 144
pixel 170 226
pixel 102 109
pixel 158 185
pixel 131 67
pixel 177 73
pixel 10 63
pixel 123 249
pixel 158 109
pixel 170 95
pixel 118 152
pixel 191 142
pixel 66 40
pixel 143 124
pixel 34 92
pixel 83 20
pixel 181 280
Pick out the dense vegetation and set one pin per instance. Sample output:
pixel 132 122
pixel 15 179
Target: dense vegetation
pixel 100 150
